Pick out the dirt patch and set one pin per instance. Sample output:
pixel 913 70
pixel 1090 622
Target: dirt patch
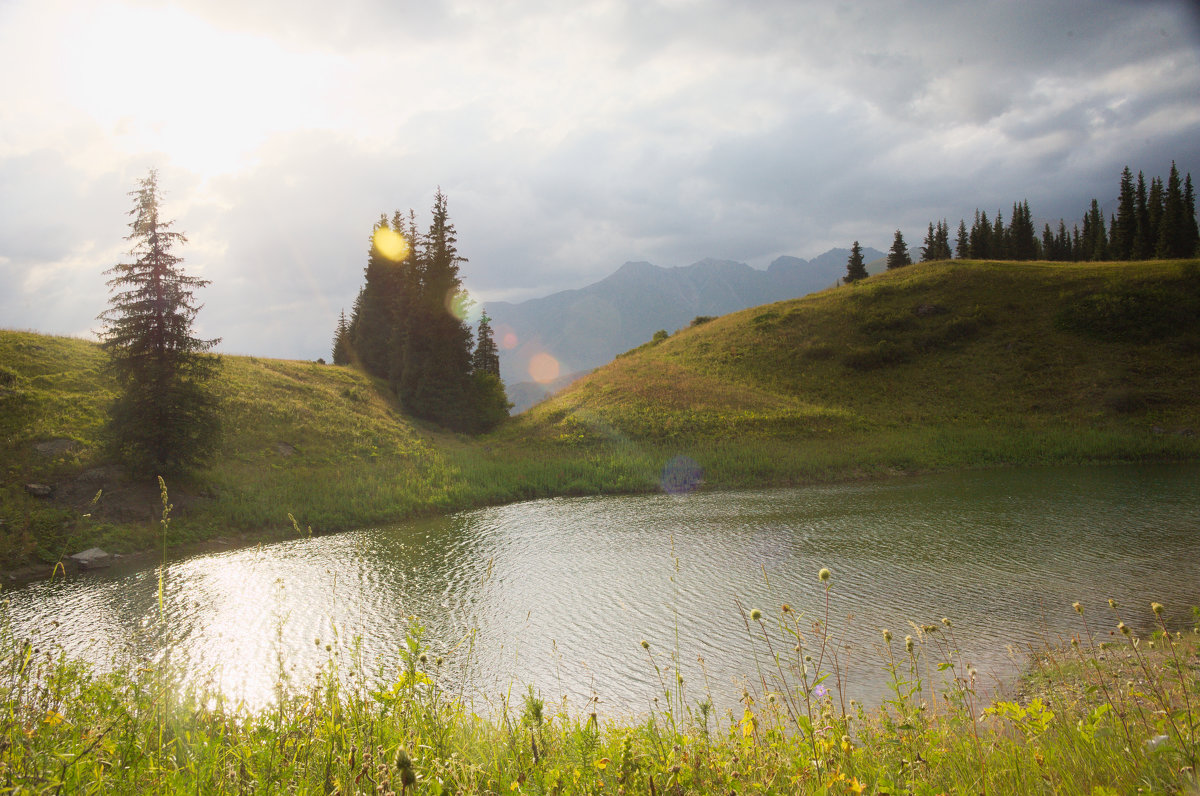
pixel 55 447
pixel 121 499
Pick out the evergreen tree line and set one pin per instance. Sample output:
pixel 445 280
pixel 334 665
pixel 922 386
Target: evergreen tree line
pixel 407 326
pixel 1155 222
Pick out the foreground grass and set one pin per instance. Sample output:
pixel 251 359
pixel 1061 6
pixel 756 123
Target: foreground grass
pixel 1094 718
pixel 933 367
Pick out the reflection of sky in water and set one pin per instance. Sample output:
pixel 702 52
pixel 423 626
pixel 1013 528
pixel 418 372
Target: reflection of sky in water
pixel 562 591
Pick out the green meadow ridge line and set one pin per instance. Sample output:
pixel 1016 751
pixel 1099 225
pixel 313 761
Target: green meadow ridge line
pixel 936 366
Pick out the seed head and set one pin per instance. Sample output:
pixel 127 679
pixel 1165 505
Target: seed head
pixel 887 636
pixel 1157 608
pixel 824 574
pixel 908 643
pixel 1112 603
pixel 755 615
pixel 946 621
pixel 1078 606
pixel 1122 627
pixel 423 658
pixel 645 644
pixel 787 609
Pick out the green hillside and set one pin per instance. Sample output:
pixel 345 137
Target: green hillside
pixel 324 442
pixel 935 366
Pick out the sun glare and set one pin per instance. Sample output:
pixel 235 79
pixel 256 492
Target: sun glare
pixel 391 244
pixel 161 80
pixel 459 303
pixel 543 368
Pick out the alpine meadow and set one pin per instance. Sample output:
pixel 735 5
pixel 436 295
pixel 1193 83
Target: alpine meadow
pixel 304 491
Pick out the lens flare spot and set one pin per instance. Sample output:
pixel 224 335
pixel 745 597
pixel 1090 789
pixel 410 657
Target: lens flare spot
pixel 391 244
pixel 681 475
pixel 458 303
pixel 543 368
pixel 506 338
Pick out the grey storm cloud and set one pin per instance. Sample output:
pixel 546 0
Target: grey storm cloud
pixel 571 138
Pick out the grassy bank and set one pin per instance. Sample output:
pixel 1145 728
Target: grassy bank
pixel 933 367
pixel 1096 717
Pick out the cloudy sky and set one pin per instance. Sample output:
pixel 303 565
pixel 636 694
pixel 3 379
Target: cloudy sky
pixel 570 137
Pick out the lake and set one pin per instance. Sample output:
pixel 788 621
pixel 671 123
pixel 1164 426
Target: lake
pixel 560 593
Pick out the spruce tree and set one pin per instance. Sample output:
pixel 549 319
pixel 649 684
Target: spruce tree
pixel 486 358
pixel 1143 243
pixel 165 416
pixel 1022 238
pixel 981 237
pixel 929 245
pixel 1189 215
pixel 341 341
pixel 1174 236
pixel 856 269
pixel 443 361
pixel 1123 230
pixel 962 244
pixel 898 256
pixel 1154 213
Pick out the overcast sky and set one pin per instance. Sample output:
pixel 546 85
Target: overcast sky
pixel 570 137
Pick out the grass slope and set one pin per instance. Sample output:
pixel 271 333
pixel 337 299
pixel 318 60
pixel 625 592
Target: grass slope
pixel 327 443
pixel 935 366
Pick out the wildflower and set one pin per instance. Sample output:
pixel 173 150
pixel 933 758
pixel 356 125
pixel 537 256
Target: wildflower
pixel 1078 606
pixel 1112 603
pixel 645 644
pixel 1157 608
pixel 946 621
pixel 787 609
pixel 820 691
pixel 1121 626
pixel 887 636
pixel 824 574
pixel 908 643
pixel 755 615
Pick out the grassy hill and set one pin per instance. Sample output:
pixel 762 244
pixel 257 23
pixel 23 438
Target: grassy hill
pixel 326 443
pixel 934 366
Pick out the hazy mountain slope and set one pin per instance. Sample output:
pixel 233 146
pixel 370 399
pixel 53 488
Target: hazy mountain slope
pixel 584 328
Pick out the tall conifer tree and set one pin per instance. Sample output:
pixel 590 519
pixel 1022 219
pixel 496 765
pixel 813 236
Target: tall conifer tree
pixel 898 256
pixel 856 269
pixel 1174 236
pixel 165 417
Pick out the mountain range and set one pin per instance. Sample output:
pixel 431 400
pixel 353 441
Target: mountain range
pixel 547 342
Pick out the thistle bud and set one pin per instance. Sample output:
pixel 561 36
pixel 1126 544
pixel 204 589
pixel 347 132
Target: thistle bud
pixel 887 636
pixel 1157 608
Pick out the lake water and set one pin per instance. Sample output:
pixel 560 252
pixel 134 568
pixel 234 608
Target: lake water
pixel 559 593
